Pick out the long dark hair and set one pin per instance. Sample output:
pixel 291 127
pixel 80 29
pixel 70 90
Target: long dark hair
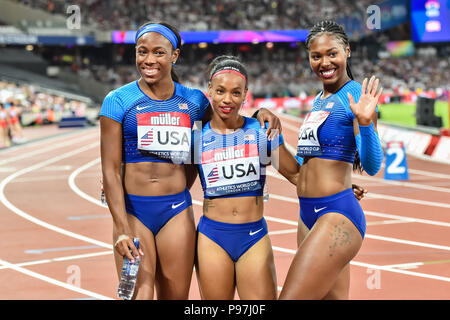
pixel 173 73
pixel 333 28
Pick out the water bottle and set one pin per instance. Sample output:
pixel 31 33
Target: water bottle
pixel 102 195
pixel 266 193
pixel 129 275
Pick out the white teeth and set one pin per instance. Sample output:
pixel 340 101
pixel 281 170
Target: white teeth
pixel 328 73
pixel 150 72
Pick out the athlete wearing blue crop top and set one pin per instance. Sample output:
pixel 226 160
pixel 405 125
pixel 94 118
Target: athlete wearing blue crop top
pixel 232 152
pixel 332 223
pixel 145 142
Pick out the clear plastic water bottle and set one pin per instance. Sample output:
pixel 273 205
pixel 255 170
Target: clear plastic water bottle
pixel 129 275
pixel 102 195
pixel 266 193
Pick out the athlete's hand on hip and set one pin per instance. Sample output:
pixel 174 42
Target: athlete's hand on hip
pixel 358 191
pixel 364 110
pixel 124 244
pixel 274 128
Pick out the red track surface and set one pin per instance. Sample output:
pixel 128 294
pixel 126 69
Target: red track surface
pixel 56 237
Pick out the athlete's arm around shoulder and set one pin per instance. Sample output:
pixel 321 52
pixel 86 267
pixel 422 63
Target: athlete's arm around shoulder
pixel 281 158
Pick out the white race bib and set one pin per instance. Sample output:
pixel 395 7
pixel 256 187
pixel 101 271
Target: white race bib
pixel 308 139
pixel 165 134
pixel 231 170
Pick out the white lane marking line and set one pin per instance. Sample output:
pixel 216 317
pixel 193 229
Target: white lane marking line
pixel 371 195
pixel 376 267
pixel 416 274
pixel 66 258
pixel 427 173
pixel 41 251
pixel 389 239
pixel 92 216
pixel 414 243
pixel 407 219
pixel 282 232
pixel 410 265
pixel 402 183
pixel 32 219
pixel 280 220
pixel 42 150
pixel 77 190
pixel 410 219
pixel 57 168
pixel 53 281
pixel 285 250
pixel 384 222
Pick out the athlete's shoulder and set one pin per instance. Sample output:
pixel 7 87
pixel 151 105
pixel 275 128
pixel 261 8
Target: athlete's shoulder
pixel 129 89
pixel 117 100
pixel 251 122
pixel 352 87
pixel 194 95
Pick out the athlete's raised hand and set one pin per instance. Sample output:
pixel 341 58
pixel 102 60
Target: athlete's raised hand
pixel 364 110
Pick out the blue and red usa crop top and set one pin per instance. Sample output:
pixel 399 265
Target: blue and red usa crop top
pixel 327 131
pixel 233 165
pixel 155 130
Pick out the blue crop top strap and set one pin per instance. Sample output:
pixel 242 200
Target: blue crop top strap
pixel 327 131
pixel 154 130
pixel 233 165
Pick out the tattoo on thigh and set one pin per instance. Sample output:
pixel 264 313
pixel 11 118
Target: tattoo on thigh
pixel 339 237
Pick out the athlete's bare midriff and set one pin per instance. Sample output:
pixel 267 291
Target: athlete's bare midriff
pixel 235 209
pixel 323 177
pixel 154 178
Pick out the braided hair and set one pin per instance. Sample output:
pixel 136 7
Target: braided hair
pixel 330 27
pixel 334 29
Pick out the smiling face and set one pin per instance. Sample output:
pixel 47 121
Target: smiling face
pixel 154 57
pixel 328 59
pixel 227 92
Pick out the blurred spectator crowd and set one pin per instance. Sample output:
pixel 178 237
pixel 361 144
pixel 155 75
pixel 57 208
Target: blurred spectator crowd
pixel 202 15
pixel 24 104
pixel 288 73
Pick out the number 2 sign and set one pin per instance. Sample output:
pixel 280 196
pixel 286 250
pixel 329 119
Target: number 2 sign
pixel 396 167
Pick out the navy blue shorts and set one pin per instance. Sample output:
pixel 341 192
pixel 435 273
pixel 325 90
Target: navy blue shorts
pixel 343 202
pixel 155 211
pixel 234 238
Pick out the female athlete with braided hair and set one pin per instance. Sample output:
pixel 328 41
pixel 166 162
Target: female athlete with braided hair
pixel 234 249
pixel 342 121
